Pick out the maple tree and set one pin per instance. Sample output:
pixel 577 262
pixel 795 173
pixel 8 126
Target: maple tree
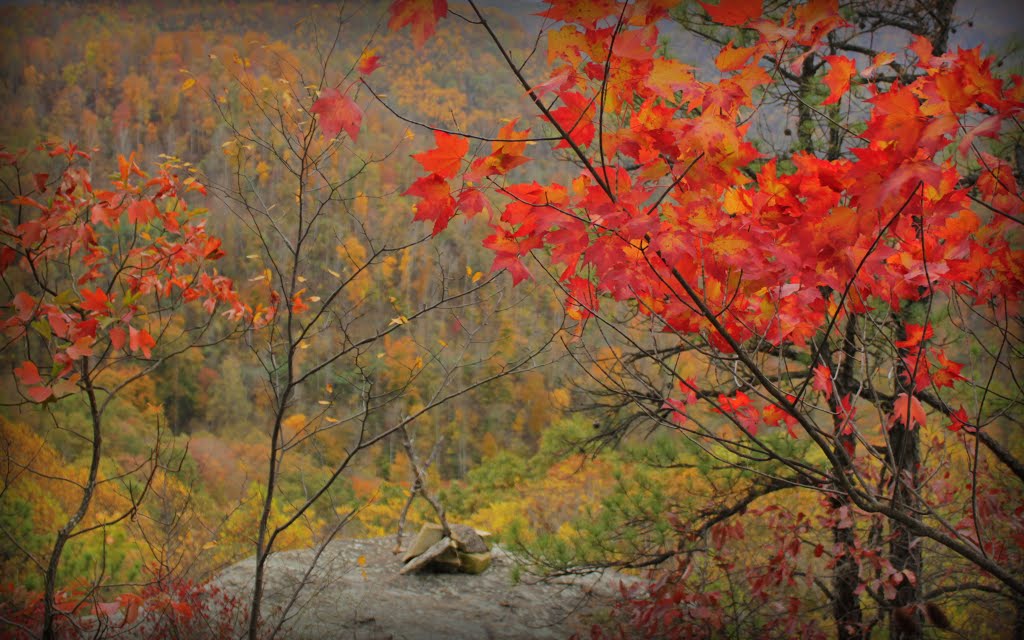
pixel 346 367
pixel 97 278
pixel 827 299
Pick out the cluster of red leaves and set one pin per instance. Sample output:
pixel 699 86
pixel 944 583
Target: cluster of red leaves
pixel 775 257
pixel 165 608
pixel 84 262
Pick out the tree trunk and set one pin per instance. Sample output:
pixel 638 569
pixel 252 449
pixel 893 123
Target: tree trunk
pixel 845 601
pixel 264 539
pixel 904 553
pixel 846 609
pixel 64 534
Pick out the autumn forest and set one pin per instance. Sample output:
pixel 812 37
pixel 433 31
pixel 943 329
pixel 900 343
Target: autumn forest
pixel 724 297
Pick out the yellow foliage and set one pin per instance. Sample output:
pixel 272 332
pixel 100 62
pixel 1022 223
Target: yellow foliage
pixel 499 517
pixel 488 445
pixel 237 537
pixel 361 205
pixel 560 399
pixel 293 425
pixel 30 470
pixel 401 469
pixel 263 172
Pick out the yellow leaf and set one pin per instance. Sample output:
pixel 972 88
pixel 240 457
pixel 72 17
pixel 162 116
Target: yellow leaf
pixel 400 320
pixel 477 276
pixel 334 273
pixel 362 561
pixel 323 402
pixel 188 84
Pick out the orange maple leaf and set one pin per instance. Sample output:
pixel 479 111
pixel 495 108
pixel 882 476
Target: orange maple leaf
pixel 446 159
pixel 916 334
pixel 421 15
pixel 586 14
pixel 841 70
pixel 506 154
pixel 731 58
pixel 897 117
pixel 368 62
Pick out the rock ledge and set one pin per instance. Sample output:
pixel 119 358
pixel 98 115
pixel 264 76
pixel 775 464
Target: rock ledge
pixel 356 592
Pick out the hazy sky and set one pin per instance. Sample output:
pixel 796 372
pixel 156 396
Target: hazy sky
pixel 996 22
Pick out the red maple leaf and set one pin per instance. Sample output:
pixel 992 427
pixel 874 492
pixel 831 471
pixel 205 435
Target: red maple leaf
pixel 471 202
pixel 733 13
pixel 446 159
pixel 949 371
pixel 959 420
pixel 95 300
pixel 989 128
pixel 896 116
pixel 908 410
pixel 506 154
pixel 822 380
pixel 507 251
pixel 916 334
pixel 436 201
pixel 24 305
pixel 141 211
pixel 28 373
pixel 337 112
pixel 117 337
pixel 573 119
pixel 841 70
pixel 582 300
pixel 421 15
pixel 140 339
pixel 39 394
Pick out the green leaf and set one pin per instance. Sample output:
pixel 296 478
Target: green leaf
pixel 42 326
